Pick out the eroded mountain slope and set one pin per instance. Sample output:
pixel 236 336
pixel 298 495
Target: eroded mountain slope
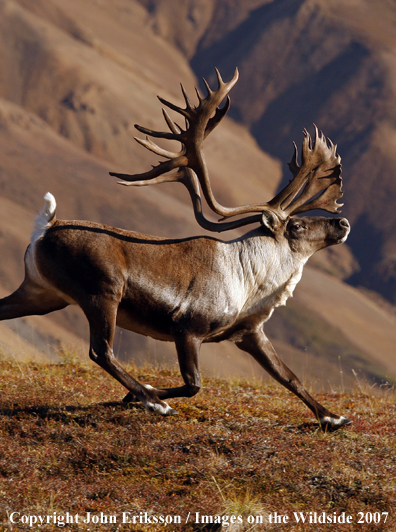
pixel 74 78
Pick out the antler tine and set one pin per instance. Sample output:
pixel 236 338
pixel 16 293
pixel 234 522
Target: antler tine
pixel 156 171
pixel 219 78
pixel 218 116
pixel 157 134
pixel 198 94
pixel 150 145
pixel 293 165
pixel 207 87
pixel 171 124
pixel 186 98
pixel 145 182
pixel 174 107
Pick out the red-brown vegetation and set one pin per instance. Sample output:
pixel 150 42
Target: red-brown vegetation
pixel 68 444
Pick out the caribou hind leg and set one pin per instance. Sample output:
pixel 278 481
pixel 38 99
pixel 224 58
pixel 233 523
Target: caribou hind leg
pixel 258 345
pixel 28 300
pixel 31 299
pixel 187 347
pixel 101 315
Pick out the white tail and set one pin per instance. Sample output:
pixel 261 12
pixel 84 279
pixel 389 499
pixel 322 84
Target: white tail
pixel 45 218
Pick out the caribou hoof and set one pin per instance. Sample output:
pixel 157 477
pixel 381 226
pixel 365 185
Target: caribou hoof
pixel 161 408
pixel 330 424
pixel 158 408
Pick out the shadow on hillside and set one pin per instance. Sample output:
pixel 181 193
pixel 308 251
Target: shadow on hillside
pixel 88 415
pixel 64 413
pixel 246 34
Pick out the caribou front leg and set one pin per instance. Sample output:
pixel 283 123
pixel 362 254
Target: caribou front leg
pixel 258 345
pixel 102 318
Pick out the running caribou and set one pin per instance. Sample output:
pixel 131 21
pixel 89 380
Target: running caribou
pixel 190 290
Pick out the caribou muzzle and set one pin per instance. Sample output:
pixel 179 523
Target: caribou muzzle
pixel 341 229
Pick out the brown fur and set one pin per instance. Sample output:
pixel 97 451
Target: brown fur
pixel 188 291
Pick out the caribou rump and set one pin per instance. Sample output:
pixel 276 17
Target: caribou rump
pixel 192 290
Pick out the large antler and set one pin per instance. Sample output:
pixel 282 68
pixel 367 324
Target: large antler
pixel 200 121
pixel 320 169
pixel 318 177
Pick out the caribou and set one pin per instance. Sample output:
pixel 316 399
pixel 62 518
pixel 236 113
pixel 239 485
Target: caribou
pixel 192 290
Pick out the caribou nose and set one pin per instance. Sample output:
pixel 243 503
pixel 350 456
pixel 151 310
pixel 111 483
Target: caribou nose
pixel 344 223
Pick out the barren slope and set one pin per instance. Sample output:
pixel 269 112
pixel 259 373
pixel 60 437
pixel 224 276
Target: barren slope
pixel 74 78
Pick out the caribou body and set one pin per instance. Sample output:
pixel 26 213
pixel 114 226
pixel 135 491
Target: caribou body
pixel 194 290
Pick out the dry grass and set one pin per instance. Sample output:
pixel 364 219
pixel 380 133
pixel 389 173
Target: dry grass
pixel 68 444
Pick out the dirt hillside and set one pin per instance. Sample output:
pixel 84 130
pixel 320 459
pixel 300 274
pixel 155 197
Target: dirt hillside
pixel 74 79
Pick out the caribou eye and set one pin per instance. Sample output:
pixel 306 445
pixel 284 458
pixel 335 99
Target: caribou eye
pixel 296 226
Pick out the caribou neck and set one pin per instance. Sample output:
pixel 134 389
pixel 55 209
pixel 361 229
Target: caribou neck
pixel 266 271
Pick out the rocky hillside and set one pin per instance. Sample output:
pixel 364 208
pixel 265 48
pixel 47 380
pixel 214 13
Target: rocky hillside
pixel 74 79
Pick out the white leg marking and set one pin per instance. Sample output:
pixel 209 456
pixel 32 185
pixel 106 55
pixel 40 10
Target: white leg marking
pixel 164 409
pixel 334 422
pixel 159 409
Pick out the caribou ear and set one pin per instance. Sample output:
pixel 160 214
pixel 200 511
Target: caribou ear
pixel 271 221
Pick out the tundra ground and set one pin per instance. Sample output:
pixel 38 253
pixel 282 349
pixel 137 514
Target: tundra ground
pixel 238 448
